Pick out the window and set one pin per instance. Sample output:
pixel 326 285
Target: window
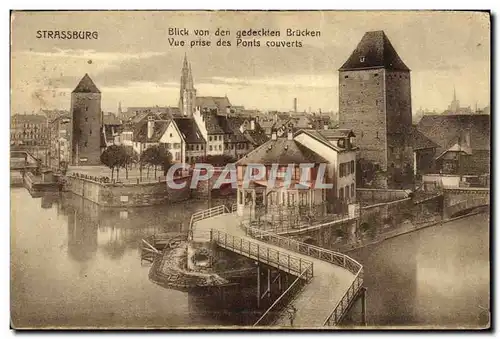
pixel 352 191
pixel 177 156
pixel 362 59
pixel 346 192
pixel 85 145
pixel 346 76
pixel 210 147
pixel 209 138
pixel 86 109
pixel 341 193
pixel 177 146
pixel 220 147
pixel 170 134
pixel 90 132
pixel 86 119
pixel 352 166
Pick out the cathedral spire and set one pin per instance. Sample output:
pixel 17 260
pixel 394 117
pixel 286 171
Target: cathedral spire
pixel 454 94
pixel 187 93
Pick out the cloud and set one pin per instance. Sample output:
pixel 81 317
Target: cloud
pixel 299 80
pixel 90 54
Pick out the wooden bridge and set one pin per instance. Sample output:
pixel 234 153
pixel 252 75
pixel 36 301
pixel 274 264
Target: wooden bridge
pixel 326 283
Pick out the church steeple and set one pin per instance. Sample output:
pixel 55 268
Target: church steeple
pixel 187 97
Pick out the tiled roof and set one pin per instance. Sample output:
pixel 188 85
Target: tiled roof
pixel 231 126
pixel 329 136
pixel 141 133
pixel 281 151
pixel 212 124
pixel 420 141
pixel 220 103
pixel 374 51
pixel 86 85
pixel 257 136
pixel 189 130
pixel 29 118
pixel 444 129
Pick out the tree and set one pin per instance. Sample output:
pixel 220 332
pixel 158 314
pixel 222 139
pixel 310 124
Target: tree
pixel 112 158
pixel 150 157
pixel 115 157
pixel 126 157
pixel 165 159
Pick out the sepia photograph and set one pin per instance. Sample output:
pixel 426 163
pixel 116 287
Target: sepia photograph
pixel 216 169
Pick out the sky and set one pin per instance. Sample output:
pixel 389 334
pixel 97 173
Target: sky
pixel 132 61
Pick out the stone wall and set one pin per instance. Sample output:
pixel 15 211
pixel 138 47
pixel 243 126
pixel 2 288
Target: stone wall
pixel 127 195
pixel 86 131
pixel 380 195
pixel 362 108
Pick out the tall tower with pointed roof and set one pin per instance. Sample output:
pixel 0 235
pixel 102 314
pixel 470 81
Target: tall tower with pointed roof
pixel 187 98
pixel 87 123
pixel 375 101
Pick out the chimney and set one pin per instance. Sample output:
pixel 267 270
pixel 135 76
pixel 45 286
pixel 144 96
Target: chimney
pixel 295 105
pixel 274 135
pixel 290 134
pixel 151 125
pixel 252 124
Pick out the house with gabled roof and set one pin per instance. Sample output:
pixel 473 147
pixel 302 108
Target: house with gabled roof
pixel 194 141
pixel 160 132
pixel 462 140
pixel 334 150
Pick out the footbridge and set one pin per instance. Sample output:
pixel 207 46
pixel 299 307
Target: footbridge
pixel 324 285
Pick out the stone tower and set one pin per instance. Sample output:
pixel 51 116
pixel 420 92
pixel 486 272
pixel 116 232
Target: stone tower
pixel 187 99
pixel 375 101
pixel 87 123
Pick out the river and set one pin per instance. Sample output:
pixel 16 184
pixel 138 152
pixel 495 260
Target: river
pixel 75 264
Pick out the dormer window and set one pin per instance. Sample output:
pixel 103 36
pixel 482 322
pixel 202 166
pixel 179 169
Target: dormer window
pixel 341 143
pixel 362 59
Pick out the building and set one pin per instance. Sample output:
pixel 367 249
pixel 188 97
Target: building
pixel 86 122
pixel 29 130
pixel 463 142
pixel 196 149
pixel 217 105
pixel 375 101
pixel 160 132
pixel 187 98
pixel 334 150
pixel 337 147
pixel 209 127
pixel 112 129
pixel 60 141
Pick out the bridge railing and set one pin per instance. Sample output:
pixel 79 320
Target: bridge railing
pixel 335 258
pixel 264 254
pixel 205 214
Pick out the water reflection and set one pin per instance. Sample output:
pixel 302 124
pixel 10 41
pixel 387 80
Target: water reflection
pixel 76 264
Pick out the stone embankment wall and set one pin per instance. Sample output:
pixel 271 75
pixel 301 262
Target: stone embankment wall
pixel 127 195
